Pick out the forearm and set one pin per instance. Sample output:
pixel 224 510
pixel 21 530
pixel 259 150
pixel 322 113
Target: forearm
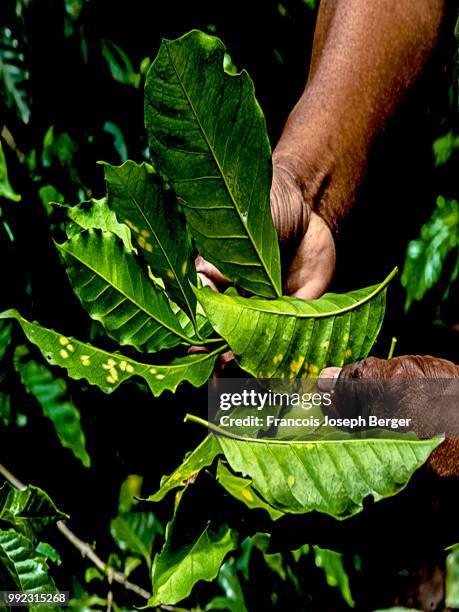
pixel 366 55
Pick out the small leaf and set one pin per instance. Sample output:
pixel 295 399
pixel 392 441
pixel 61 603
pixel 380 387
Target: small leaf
pixel 139 198
pixel 241 489
pixel 108 370
pixel 289 337
pixel 202 456
pixel 426 256
pixel 207 134
pixel 48 552
pixel 51 392
pixel 135 532
pixel 332 564
pixel 194 550
pixel 95 214
pixel 30 510
pixel 130 489
pixel 115 291
pixel 6 191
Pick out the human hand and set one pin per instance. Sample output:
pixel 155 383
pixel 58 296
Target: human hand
pixel 431 407
pixel 306 243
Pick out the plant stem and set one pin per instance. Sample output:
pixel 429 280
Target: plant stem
pixel 392 348
pixel 85 549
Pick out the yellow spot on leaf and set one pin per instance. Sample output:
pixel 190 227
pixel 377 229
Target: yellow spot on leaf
pixel 70 348
pixel 313 369
pixel 63 353
pixel 129 368
pixel 277 358
pixel 141 242
pixel 346 337
pixel 247 494
pixel 131 225
pixel 110 379
pixel 63 340
pixel 348 353
pixel 122 365
pixel 184 267
pixel 114 374
pixel 145 234
pixel 291 481
pixel 170 274
pixel 160 376
pixel 148 247
pixel 85 360
pixel 309 445
pixel 153 370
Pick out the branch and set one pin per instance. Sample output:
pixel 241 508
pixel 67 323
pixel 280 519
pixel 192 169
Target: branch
pixel 85 549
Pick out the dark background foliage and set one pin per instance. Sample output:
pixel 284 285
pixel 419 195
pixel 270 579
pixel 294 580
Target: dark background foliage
pixel 75 80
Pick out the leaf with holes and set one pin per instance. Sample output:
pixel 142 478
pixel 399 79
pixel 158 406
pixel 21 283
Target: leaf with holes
pixel 207 134
pixel 108 370
pixel 140 200
pixel 114 289
pixel 289 337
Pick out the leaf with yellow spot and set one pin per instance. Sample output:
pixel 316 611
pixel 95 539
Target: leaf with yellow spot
pixel 108 370
pixel 289 337
pixel 241 489
pixel 139 197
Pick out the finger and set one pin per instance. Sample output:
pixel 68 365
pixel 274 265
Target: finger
pixel 207 282
pixel 313 266
pixel 327 378
pixel 209 270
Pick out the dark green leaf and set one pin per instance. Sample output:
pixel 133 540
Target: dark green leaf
pixel 202 456
pixel 452 578
pixel 115 291
pixel 207 134
pixel 231 585
pixel 139 199
pixel 289 337
pixel 109 370
pixel 51 393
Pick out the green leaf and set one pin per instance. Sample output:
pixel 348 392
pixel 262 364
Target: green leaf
pixel 426 256
pixel 13 74
pixel 194 550
pixel 108 370
pixel 452 578
pixel 444 147
pixel 207 134
pixel 30 510
pixel 241 489
pixel 135 532
pixel 48 552
pixel 27 567
pixel 233 600
pixel 120 65
pixel 332 564
pixel 202 456
pixel 95 214
pixel 115 291
pixel 50 392
pixel 139 199
pixel 289 337
pixel 5 338
pixel 6 191
pixel 129 490
pixel 333 477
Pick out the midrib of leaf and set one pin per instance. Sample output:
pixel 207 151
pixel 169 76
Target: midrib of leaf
pixel 222 174
pixel 319 315
pixel 159 243
pixel 228 434
pixel 130 299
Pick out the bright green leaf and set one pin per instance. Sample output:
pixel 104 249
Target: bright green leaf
pixel 135 532
pixel 108 370
pixel 6 191
pixel 289 337
pixel 207 134
pixel 202 456
pixel 452 578
pixel 332 564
